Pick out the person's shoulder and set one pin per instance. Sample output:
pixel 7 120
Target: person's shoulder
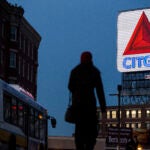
pixel 96 69
pixel 76 68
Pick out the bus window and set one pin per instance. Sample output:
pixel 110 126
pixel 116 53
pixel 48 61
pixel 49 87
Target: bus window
pixel 14 111
pixel 37 124
pixel 7 108
pixel 21 117
pixel 42 129
pixel 31 122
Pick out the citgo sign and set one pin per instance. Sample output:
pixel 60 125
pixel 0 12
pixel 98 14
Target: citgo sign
pixel 133 40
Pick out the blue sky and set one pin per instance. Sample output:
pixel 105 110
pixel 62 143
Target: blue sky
pixel 67 28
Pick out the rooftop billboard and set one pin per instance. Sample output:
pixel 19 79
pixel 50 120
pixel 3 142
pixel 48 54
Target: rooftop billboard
pixel 133 40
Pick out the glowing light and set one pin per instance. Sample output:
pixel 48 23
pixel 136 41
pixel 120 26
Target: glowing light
pixel 40 116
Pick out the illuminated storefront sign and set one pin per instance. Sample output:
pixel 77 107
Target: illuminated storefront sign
pixel 133 41
pixel 113 136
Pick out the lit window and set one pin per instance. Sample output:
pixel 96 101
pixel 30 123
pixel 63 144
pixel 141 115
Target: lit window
pixel 133 113
pixel 13 33
pixel 127 125
pixel 139 125
pixel 12 61
pixel 133 125
pixel 127 113
pixel 114 125
pixel 139 114
pixel 114 114
pixel 147 113
pixel 108 114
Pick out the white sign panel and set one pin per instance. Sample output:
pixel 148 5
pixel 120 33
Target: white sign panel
pixel 133 40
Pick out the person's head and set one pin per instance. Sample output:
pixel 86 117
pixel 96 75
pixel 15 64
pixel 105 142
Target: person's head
pixel 86 57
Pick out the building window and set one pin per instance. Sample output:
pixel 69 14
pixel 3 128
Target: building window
pixel 19 65
pixel 133 113
pixel 139 114
pixel 24 44
pixel 23 68
pixel 100 128
pixel 12 60
pixel 28 71
pixel 1 57
pixel 114 114
pixel 128 125
pixel 13 33
pixel 12 80
pixel 114 125
pixel 108 114
pixel 127 114
pixel 133 125
pixel 20 42
pixel 147 113
pixel 32 51
pixel 139 125
pixel 99 114
pixel 148 125
pixel 31 78
pixel 28 53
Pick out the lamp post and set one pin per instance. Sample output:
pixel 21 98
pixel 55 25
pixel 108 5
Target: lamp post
pixel 119 88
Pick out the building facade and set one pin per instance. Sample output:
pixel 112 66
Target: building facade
pixel 131 116
pixel 19 43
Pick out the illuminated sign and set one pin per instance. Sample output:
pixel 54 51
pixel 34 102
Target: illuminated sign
pixel 113 136
pixel 133 41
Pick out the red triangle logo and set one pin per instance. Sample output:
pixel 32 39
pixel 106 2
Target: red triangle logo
pixel 140 39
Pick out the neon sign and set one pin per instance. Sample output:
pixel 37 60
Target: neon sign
pixel 133 52
pixel 136 62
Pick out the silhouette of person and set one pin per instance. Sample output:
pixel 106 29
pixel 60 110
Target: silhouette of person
pixel 84 79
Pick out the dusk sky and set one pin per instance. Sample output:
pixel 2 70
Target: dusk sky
pixel 67 28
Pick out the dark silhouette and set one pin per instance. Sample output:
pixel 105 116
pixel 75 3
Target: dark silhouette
pixel 84 79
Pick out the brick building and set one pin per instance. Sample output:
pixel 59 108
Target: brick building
pixel 136 117
pixel 19 43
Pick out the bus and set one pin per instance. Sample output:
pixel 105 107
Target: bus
pixel 23 121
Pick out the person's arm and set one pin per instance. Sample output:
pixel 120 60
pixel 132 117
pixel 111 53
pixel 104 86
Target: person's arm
pixel 100 93
pixel 70 83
